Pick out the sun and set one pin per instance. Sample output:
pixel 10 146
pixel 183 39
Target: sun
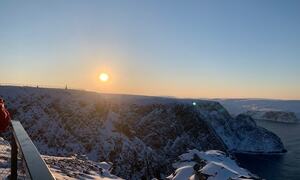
pixel 104 77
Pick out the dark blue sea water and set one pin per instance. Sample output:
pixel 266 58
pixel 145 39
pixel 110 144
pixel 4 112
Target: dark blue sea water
pixel 277 167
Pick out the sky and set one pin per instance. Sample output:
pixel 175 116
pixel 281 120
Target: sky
pixel 193 49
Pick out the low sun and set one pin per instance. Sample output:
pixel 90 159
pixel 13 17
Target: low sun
pixel 103 77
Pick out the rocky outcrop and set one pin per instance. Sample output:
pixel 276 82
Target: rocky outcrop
pixel 195 165
pixel 241 134
pixel 249 135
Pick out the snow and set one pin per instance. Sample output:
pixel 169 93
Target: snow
pixel 76 168
pixel 61 167
pixel 217 166
pixel 182 173
pixel 4 158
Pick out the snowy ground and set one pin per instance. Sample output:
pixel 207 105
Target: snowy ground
pixel 78 168
pixel 4 158
pixel 73 167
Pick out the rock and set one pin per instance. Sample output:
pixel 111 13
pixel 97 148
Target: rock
pixel 217 166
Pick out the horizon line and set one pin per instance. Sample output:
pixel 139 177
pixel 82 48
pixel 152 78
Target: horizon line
pixel 137 94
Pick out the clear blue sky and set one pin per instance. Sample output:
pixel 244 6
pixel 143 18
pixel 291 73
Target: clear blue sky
pixel 234 48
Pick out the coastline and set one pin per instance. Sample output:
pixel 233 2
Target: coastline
pixel 283 122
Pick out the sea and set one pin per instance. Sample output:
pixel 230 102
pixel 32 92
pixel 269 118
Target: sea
pixel 277 167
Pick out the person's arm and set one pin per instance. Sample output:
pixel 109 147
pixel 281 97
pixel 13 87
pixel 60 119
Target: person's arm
pixel 2 113
pixel 5 120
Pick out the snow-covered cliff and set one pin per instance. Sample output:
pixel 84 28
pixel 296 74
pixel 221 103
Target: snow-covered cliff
pixel 141 135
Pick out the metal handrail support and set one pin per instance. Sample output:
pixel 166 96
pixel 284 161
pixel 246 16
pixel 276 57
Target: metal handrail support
pixel 36 166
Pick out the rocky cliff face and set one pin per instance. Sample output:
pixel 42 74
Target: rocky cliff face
pixel 141 135
pixel 255 139
pixel 240 134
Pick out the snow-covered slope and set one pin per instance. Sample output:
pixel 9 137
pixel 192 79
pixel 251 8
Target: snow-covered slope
pixel 238 106
pixel 141 135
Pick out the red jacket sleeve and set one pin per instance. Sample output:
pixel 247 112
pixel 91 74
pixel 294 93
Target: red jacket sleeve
pixel 4 119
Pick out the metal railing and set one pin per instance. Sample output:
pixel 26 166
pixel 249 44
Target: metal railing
pixel 35 165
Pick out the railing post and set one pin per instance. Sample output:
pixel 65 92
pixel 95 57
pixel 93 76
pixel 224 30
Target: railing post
pixel 14 160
